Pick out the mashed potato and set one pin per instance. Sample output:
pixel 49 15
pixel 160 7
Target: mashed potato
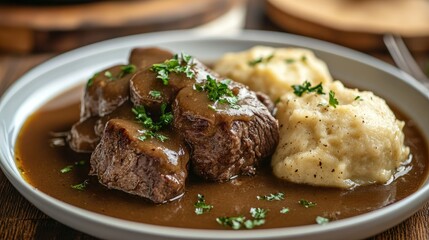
pixel 273 71
pixel 358 142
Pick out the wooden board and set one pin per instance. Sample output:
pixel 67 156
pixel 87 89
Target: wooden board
pixel 26 28
pixel 359 24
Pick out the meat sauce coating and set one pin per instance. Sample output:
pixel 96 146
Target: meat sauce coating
pixel 234 139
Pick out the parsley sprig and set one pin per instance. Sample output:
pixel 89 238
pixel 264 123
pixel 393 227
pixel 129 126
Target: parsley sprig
pixel 80 186
pixel 260 60
pixel 321 220
pixel 125 70
pixel 307 204
pixel 155 94
pixel 306 87
pixel 201 206
pixel 68 168
pixel 272 197
pixel 332 100
pixel 284 210
pixel 178 64
pixel 218 91
pixel 152 126
pixel 258 219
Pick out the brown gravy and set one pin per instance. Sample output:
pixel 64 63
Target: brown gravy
pixel 41 165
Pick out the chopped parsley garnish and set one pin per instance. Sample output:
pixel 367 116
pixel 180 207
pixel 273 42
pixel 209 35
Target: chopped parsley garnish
pixel 91 80
pixel 68 168
pixel 306 87
pixel 151 126
pixel 201 206
pixel 260 60
pixel 272 197
pixel 146 134
pixel 258 215
pixel 155 94
pixel 290 60
pixel 321 220
pixel 358 98
pixel 81 186
pixel 127 69
pixel 304 58
pixel 252 223
pixel 284 210
pixel 307 204
pixel 218 91
pixel 332 100
pixel 233 222
pixel 178 64
pixel 109 75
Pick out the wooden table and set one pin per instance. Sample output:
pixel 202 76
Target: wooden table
pixel 21 220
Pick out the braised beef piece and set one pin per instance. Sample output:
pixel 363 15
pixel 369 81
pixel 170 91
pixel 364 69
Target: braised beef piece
pixel 105 91
pixel 152 169
pixel 82 136
pixel 226 140
pixel 145 86
pixel 146 57
pixel 85 134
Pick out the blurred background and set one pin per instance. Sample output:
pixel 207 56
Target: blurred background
pixel 33 27
pixel 32 31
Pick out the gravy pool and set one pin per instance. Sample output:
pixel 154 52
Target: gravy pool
pixel 40 165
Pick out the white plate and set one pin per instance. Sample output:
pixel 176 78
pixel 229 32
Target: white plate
pixel 70 69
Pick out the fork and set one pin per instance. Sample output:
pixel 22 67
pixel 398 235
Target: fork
pixel 403 58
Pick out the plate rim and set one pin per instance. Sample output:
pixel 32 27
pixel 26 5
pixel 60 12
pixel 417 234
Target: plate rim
pixel 32 194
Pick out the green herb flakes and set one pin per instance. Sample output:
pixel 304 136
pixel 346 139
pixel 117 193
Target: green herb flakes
pixel 272 197
pixel 81 186
pixel 91 80
pixel 289 60
pixel 321 220
pixel 178 64
pixel 332 100
pixel 67 169
pixel 109 75
pixel 258 213
pixel 306 87
pixel 252 223
pixel 201 206
pixel 155 94
pixel 256 61
pixel 218 92
pixel 127 69
pixel 233 222
pixel 151 126
pixel 284 210
pixel 307 204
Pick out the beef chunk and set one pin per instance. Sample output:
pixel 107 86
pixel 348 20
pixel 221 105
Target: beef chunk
pixel 105 91
pixel 148 91
pixel 226 141
pixel 122 112
pixel 85 134
pixel 145 83
pixel 82 136
pixel 145 57
pixel 152 169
